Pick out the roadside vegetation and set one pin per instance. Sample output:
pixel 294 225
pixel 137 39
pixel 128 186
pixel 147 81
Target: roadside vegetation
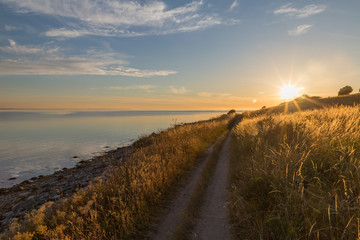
pixel 296 176
pixel 185 228
pixel 306 102
pixel 123 205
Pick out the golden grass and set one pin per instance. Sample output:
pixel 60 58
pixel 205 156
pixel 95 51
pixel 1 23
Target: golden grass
pixel 297 176
pixel 123 206
pixel 308 103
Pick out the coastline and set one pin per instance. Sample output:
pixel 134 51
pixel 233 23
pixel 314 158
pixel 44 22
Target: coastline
pixel 30 194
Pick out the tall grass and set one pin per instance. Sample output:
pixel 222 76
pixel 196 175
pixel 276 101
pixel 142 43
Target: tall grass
pixel 123 205
pixel 297 176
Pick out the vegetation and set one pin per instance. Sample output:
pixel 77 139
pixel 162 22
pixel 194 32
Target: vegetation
pixel 307 102
pixel 124 204
pixel 192 212
pixel 296 176
pixel 345 90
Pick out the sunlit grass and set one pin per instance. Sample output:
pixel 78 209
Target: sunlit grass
pixel 123 205
pixel 296 176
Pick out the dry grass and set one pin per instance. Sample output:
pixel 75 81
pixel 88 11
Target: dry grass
pixel 123 206
pixel 296 176
pixel 308 103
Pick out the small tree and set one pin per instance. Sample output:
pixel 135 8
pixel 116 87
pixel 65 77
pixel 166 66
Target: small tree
pixel 345 90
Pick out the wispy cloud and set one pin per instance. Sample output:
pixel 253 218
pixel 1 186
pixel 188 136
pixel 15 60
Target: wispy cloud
pixel 304 12
pixel 66 33
pixel 119 18
pixel 205 94
pixel 299 30
pixel 234 5
pixel 15 48
pixel 215 95
pixel 146 88
pixel 12 28
pixel 74 66
pixel 178 90
pixel 48 61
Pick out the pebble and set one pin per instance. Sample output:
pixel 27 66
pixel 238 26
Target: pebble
pixel 29 195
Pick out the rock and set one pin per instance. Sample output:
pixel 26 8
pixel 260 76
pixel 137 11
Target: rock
pixel 60 177
pixel 12 178
pixel 54 198
pixel 31 198
pixel 25 182
pixel 21 198
pixel 24 194
pixel 9 215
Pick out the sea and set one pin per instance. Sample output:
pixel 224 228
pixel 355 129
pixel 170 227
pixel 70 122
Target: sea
pixel 34 143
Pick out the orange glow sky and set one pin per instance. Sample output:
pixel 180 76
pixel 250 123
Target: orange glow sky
pixel 184 55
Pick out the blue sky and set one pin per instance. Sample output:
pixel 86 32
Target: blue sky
pixel 93 54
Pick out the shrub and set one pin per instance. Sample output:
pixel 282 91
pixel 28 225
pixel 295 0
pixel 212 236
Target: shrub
pixel 231 111
pixel 345 90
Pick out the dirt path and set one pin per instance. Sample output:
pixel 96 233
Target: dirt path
pixel 213 221
pixel 169 222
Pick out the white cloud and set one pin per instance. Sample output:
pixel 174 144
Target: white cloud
pixel 15 48
pixel 215 95
pixel 306 11
pixel 75 66
pixel 146 88
pixel 118 18
pixel 234 5
pixel 48 61
pixel 299 30
pixel 11 28
pixel 62 32
pixel 204 94
pixel 178 90
pixel 133 72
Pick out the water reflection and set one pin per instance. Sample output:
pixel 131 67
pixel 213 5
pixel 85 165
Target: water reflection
pixel 40 142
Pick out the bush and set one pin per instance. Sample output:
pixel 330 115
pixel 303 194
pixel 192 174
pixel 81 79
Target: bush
pixel 232 111
pixel 345 90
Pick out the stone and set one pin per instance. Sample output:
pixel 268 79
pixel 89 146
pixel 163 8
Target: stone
pixel 9 214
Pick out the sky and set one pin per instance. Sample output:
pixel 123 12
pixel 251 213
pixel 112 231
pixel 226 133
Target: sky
pixel 174 55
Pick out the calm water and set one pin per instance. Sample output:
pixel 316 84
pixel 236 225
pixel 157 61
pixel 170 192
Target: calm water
pixel 40 142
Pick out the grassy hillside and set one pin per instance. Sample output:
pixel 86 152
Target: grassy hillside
pixel 308 103
pixel 123 205
pixel 296 176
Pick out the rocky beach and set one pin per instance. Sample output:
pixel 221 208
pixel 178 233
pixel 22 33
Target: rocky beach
pixel 30 194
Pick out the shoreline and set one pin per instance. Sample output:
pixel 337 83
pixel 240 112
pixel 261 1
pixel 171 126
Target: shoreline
pixel 30 194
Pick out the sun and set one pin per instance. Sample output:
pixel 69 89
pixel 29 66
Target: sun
pixel 289 91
